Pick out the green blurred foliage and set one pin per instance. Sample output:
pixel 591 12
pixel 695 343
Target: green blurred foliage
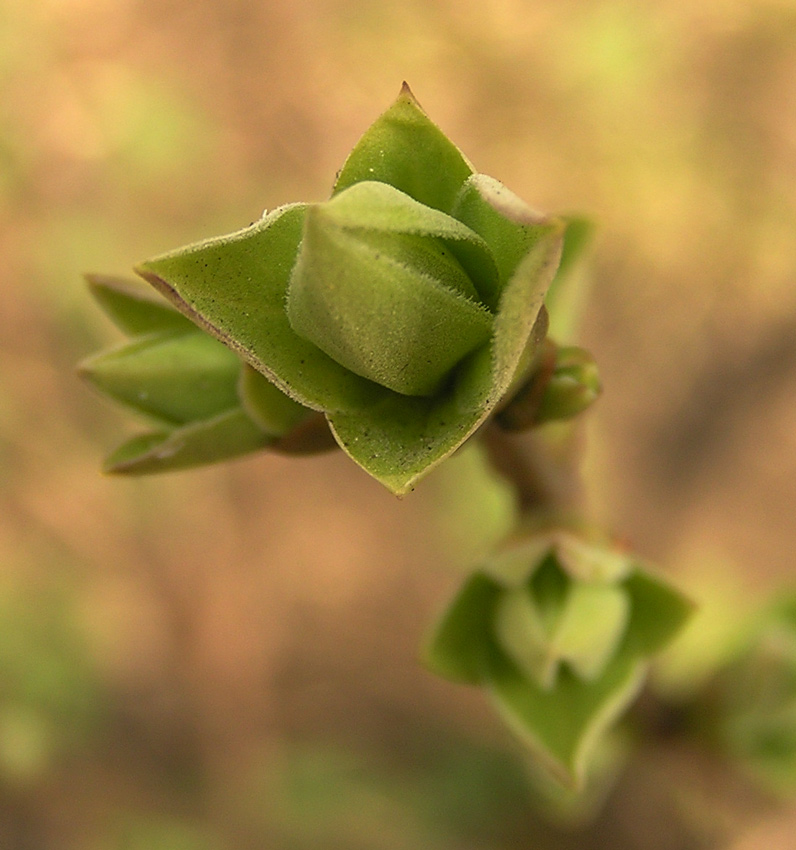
pixel 341 799
pixel 204 620
pixel 50 698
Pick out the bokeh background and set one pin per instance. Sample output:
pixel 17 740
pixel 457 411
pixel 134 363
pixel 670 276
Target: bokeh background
pixel 226 659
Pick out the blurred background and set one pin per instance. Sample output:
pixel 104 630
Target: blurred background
pixel 226 659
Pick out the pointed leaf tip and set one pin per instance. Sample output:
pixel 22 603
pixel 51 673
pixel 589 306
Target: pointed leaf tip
pixel 221 437
pixel 405 149
pixel 252 268
pixel 133 308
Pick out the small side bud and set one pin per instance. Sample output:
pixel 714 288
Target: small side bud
pixel 564 383
pixel 574 385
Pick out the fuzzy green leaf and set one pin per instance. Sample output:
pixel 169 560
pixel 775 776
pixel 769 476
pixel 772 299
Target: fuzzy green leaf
pixel 172 378
pixel 400 439
pixel 134 308
pixel 657 612
pixel 267 405
pixel 563 725
pixel 405 149
pixel 370 207
pixel 569 291
pixel 506 223
pixel 235 287
pixel 461 644
pixel 521 301
pixel 390 309
pixel 223 437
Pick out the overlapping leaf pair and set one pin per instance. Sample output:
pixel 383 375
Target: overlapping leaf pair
pixel 559 629
pixel 204 404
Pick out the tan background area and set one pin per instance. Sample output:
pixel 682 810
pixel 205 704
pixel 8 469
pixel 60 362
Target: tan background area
pixel 227 658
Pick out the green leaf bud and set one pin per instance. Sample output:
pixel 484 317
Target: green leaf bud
pixel 558 628
pixel 563 382
pixel 402 310
pixel 394 306
pixel 574 385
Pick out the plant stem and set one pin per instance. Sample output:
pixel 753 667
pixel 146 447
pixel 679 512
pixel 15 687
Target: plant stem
pixel 544 481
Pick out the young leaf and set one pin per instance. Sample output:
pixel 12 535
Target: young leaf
pixel 461 645
pixel 405 149
pixel 592 624
pixel 569 290
pixel 269 407
pixel 521 301
pixel 223 437
pixel 371 206
pixel 563 725
pixel 657 612
pixel 381 318
pixel 235 287
pixel 400 439
pixel 520 631
pixel 505 222
pixel 172 378
pixel 134 308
